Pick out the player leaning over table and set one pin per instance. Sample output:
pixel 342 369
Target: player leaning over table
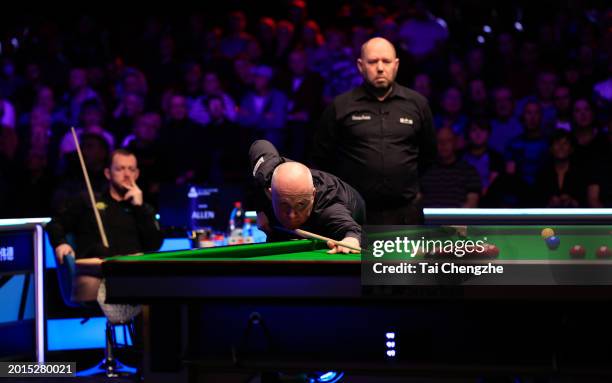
pixel 291 195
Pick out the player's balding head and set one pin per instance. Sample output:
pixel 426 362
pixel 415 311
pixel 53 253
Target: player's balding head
pixel 293 194
pixel 378 44
pixel 292 178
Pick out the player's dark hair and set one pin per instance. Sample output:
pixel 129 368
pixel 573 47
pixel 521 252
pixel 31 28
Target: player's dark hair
pixel 121 151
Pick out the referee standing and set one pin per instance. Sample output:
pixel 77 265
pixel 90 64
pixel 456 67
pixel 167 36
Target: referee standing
pixel 379 137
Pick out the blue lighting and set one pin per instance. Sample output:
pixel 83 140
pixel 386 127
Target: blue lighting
pixel 390 335
pixel 390 344
pixel 174 244
pixel 86 335
pixel 328 377
pixel 391 353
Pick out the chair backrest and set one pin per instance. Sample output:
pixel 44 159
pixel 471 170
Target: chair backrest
pixel 65 274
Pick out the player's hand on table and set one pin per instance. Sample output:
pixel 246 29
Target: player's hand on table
pixel 344 250
pixel 61 251
pixel 134 194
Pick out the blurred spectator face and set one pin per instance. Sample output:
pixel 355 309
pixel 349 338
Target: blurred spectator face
pixel 561 149
pixel 237 22
pixel 562 99
pixel 285 32
pixel 267 29
pixel 261 81
pixel 361 34
pixel 297 10
pixel 92 116
pixel 422 84
pixel 133 83
pixel 95 151
pixel 213 39
pixel 388 29
pixel 458 74
pixel 583 114
pixel 505 45
pixel 546 84
pixel 532 116
pixel 78 79
pixel 334 39
pixel 253 50
pixel 166 47
pixel 529 54
pixel 40 117
pixel 478 91
pixel 478 135
pixel 504 105
pixel 378 63
pixel 33 72
pixel 134 104
pixel 193 76
pixel 216 109
pixel 312 33
pixel 178 108
pixel 452 102
pixel 45 99
pixel 211 84
pixel 244 69
pixel 446 143
pixel 297 63
pixel 475 61
pixel 147 126
pixel 572 75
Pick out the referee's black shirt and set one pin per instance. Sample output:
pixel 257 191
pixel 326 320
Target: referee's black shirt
pixel 378 147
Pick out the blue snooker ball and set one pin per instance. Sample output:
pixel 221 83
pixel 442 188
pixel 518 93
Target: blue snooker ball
pixel 553 242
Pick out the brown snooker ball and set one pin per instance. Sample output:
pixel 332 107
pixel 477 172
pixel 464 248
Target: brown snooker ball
pixel 577 251
pixel 492 251
pixel 603 252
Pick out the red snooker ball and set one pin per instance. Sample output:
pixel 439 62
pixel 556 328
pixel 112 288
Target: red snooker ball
pixel 577 251
pixel 604 252
pixel 492 251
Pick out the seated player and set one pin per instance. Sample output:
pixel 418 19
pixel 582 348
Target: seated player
pixel 294 196
pixel 129 223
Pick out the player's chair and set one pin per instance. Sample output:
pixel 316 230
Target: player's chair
pixel 110 366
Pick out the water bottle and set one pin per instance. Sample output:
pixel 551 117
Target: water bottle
pixel 236 218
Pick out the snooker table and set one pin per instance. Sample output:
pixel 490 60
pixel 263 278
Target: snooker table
pixel 289 306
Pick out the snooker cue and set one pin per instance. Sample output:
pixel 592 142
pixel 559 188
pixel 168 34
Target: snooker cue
pixel 90 191
pixel 307 234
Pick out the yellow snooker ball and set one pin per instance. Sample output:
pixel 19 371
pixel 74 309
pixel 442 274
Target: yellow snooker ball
pixel 548 232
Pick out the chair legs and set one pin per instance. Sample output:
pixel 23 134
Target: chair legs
pixel 109 366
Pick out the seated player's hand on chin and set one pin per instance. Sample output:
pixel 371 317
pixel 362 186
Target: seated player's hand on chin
pixel 335 249
pixel 133 194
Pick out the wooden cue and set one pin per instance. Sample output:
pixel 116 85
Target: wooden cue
pixel 307 234
pixel 90 191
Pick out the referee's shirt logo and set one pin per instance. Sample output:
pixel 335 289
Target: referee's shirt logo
pixel 361 117
pixel 407 121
